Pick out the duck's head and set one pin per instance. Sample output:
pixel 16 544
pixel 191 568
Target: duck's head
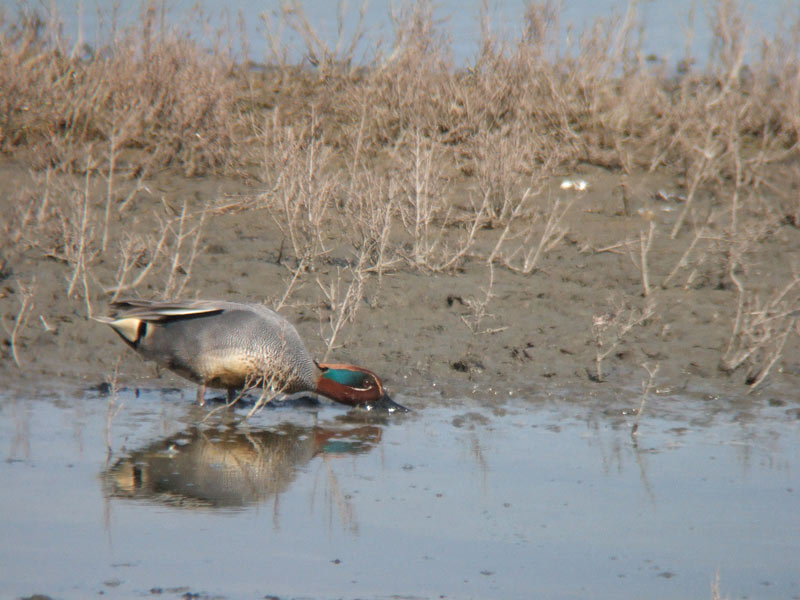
pixel 354 386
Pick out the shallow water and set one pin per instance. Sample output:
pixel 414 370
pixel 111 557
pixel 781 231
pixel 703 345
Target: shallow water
pixel 457 499
pixel 666 23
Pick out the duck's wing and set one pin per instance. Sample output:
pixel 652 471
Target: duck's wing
pixel 153 311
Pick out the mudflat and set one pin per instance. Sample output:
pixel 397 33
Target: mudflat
pixel 578 225
pixel 579 323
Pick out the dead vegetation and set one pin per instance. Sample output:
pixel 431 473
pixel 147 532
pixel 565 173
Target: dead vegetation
pixel 403 160
pixel 151 94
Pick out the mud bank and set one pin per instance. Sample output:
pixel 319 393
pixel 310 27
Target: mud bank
pixel 468 329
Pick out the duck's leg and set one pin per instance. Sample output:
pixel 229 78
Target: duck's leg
pixel 231 395
pixel 201 394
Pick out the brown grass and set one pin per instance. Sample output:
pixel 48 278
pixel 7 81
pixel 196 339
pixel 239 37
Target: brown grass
pixel 405 159
pixel 152 94
pixel 158 98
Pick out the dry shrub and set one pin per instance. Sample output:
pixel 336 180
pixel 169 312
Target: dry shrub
pixel 155 93
pixel 499 161
pixel 424 209
pixel 760 330
pixel 65 220
pixel 408 90
pixel 156 97
pixel 371 213
pixel 168 254
pixel 328 59
pixel 301 185
pixel 610 328
pixel 341 298
pixel 26 294
pixel 725 124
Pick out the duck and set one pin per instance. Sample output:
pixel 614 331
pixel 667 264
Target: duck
pixel 236 346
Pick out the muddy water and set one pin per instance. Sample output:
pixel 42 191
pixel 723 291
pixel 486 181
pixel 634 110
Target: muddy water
pixel 140 497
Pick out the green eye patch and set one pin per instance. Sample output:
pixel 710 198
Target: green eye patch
pixel 354 379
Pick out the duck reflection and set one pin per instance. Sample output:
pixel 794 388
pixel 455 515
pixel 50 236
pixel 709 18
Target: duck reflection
pixel 230 468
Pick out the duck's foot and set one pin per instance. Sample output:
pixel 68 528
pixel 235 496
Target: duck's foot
pixel 201 394
pixel 301 401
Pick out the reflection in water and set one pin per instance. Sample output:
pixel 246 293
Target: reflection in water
pixel 476 499
pixel 230 468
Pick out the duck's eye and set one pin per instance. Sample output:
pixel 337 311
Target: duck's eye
pixel 366 382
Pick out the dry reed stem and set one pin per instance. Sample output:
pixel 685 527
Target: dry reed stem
pixel 296 272
pixel 181 271
pixel 176 243
pixel 610 328
pixel 301 185
pixel 645 243
pixel 478 308
pixel 700 234
pixel 552 234
pixel 321 55
pixel 644 248
pixel 132 250
pixel 112 410
pixel 716 594
pixel 368 219
pixel 25 304
pixel 703 167
pixel 343 307
pixel 424 213
pixel 79 259
pixel 271 385
pixel 646 388
pixel 516 211
pixel 760 329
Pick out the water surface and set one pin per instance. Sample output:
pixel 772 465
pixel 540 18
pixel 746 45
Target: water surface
pixel 462 498
pixel 668 25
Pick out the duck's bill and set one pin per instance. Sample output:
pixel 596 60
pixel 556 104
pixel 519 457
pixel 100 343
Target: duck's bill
pixel 385 403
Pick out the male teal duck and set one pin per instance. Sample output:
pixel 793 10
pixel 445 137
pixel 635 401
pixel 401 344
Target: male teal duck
pixel 236 346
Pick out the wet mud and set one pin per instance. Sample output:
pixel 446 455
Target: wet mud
pixel 494 331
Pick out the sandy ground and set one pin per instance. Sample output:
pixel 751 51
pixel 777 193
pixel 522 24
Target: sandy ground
pixel 417 329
